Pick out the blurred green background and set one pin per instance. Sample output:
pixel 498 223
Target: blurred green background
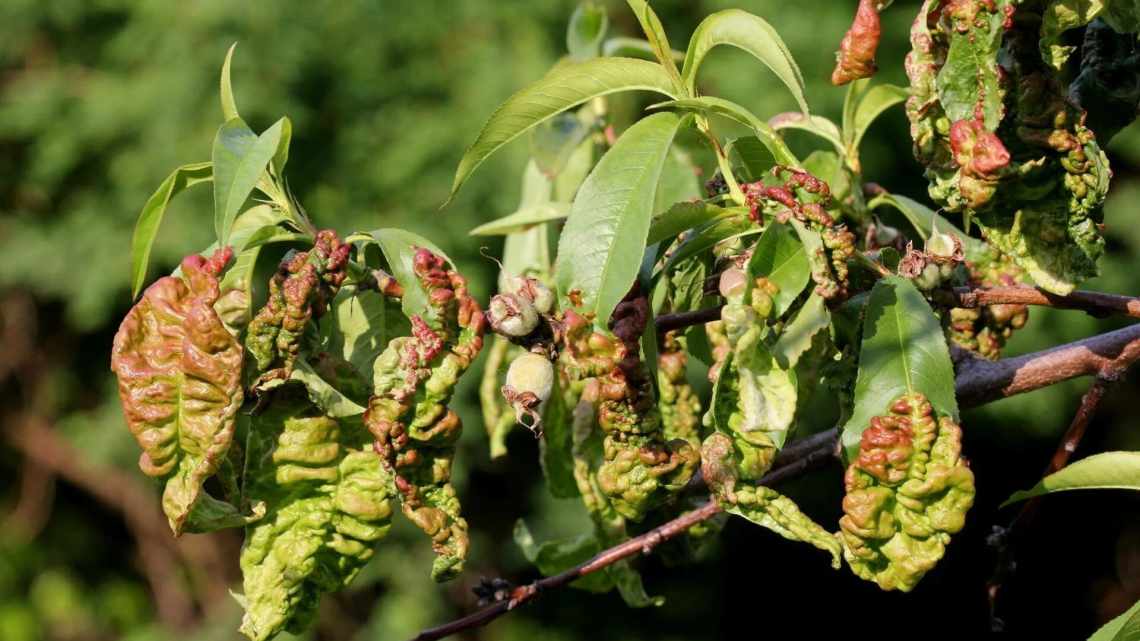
pixel 100 99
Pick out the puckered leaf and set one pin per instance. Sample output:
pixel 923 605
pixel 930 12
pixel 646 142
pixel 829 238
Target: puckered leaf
pixel 179 373
pixel 903 352
pixel 566 85
pixel 329 503
pixel 1104 471
pixel 600 251
pixel 969 81
pixel 908 490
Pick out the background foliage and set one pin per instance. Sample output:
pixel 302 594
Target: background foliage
pixel 99 100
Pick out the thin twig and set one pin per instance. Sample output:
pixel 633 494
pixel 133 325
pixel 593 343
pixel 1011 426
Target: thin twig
pixel 1008 539
pixel 1094 303
pixel 978 382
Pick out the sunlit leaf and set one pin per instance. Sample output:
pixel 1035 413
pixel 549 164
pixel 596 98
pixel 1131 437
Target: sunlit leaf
pixel 779 256
pixel 566 85
pixel 750 33
pixel 601 247
pixel 150 218
pixel 399 247
pixel 903 352
pixel 721 107
pixel 1104 471
pixel 240 159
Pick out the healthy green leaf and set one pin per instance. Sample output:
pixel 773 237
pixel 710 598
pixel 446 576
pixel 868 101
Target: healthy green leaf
pixel 240 159
pixel 709 235
pixel 587 28
pixel 797 336
pixel 864 104
pixel 816 125
pixel 522 219
pixel 566 85
pixel 750 33
pixel 146 227
pixel 553 142
pixel 281 156
pixel 229 106
pixel 903 352
pixel 555 448
pixel 779 256
pixel 1125 627
pixel 687 215
pixel 1107 470
pixel 634 48
pixel 751 155
pixel 721 107
pixel 399 247
pixel 602 243
pixel 678 181
pixel 658 41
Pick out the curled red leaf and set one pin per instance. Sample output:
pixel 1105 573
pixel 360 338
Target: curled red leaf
pixel 856 57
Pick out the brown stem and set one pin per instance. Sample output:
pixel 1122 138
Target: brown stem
pixel 1009 538
pixel 978 382
pixel 1094 303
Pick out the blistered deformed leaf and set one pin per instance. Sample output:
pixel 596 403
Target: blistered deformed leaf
pixel 301 290
pixel 856 57
pixel 415 431
pixel 907 492
pixel 179 373
pixel 1004 144
pixel 985 330
pixel 727 471
pixel 329 503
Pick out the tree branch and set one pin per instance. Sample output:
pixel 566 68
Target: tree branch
pixel 978 382
pixel 1094 303
pixel 1006 540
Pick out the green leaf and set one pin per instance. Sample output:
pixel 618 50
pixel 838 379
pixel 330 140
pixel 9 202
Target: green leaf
pixel 925 220
pixel 752 155
pixel 815 125
pixel 865 103
pixel 970 77
pixel 1104 471
pixel 522 219
pixel 329 399
pixel 399 247
pixel 709 235
pixel 903 352
pixel 779 256
pixel 658 41
pixel 678 183
pixel 554 141
pixel 621 46
pixel 556 446
pixel 150 218
pixel 754 398
pixel 587 28
pixel 359 324
pixel 1125 627
pixel 750 33
pixel 229 106
pixel 566 85
pixel 240 159
pixel 797 336
pixel 721 107
pixel 552 557
pixel 601 247
pixel 687 215
pixel 281 156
